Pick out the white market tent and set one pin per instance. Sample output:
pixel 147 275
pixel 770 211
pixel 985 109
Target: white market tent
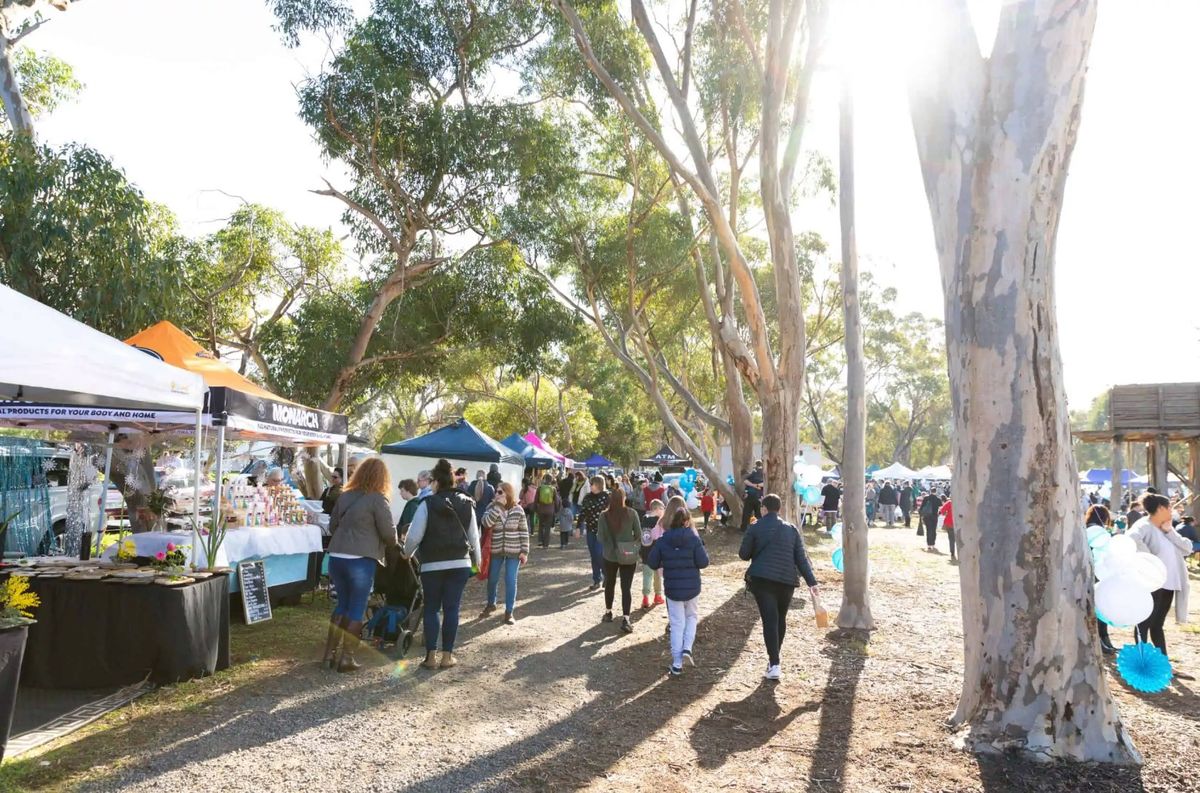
pixel 895 471
pixel 50 358
pixel 937 472
pixel 63 369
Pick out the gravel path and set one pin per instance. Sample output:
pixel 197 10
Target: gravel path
pixel 562 702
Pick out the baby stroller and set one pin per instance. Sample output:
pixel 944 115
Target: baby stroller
pixel 397 598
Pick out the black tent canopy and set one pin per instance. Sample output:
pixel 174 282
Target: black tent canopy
pixel 665 458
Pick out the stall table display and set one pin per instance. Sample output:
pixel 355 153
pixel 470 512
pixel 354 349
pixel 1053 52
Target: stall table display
pixel 105 625
pixel 288 552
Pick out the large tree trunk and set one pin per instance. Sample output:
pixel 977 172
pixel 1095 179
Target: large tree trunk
pixel 19 117
pixel 856 595
pixel 994 138
pixel 780 429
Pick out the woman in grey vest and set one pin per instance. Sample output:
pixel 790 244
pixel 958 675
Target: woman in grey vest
pixel 445 537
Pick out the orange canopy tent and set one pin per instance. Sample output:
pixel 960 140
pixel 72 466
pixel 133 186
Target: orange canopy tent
pixel 237 405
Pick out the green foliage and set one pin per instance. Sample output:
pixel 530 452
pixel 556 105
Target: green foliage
pixel 908 392
pixel 45 81
pixel 481 304
pixel 77 236
pixel 512 410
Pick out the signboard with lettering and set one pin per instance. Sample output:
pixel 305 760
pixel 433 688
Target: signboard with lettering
pixel 256 601
pixel 261 415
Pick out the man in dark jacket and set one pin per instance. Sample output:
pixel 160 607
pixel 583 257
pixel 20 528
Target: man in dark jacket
pixel 929 516
pixel 888 502
pixel 778 560
pixel 754 482
pixel 680 554
pixel 906 500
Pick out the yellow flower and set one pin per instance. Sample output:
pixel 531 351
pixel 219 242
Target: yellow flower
pixel 15 595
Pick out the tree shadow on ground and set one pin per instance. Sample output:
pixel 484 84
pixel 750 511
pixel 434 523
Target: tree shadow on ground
pixel 847 653
pixel 743 725
pixel 637 700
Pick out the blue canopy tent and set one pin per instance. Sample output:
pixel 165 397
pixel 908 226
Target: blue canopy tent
pixel 462 443
pixel 461 440
pixel 1100 476
pixel 533 456
pixel 598 461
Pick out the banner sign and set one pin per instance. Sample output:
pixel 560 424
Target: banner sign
pixel 16 412
pixel 252 413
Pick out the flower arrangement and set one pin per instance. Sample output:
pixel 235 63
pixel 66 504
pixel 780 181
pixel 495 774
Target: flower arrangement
pixel 171 560
pixel 210 541
pixel 126 550
pixel 17 602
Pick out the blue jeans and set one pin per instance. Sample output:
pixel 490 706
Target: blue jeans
pixel 596 550
pixel 352 580
pixel 443 590
pixel 509 565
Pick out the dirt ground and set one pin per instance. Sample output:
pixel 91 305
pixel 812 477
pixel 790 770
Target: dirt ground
pixel 561 701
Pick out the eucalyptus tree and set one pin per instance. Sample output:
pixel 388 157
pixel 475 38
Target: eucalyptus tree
pixel 994 137
pixel 77 236
pixel 406 105
pixel 19 71
pixel 779 49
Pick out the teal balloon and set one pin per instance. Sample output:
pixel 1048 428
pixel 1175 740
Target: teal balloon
pixel 797 488
pixel 838 563
pixel 729 479
pixel 812 494
pixel 836 533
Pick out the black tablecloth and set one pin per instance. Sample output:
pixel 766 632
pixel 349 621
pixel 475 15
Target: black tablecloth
pixel 91 634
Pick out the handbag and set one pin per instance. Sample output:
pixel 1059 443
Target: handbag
pixel 628 550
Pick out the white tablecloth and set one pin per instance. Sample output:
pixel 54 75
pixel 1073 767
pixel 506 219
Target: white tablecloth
pixel 248 542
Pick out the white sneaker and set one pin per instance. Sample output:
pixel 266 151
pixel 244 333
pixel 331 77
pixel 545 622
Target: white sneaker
pixel 773 672
pixel 687 658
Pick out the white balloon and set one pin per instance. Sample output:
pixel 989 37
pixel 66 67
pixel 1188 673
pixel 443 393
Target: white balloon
pixel 1124 600
pixel 1121 545
pixel 798 468
pixel 1110 565
pixel 1149 569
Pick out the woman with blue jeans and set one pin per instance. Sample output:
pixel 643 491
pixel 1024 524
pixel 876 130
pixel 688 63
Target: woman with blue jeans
pixel 361 530
pixel 510 548
pixel 445 537
pixel 588 520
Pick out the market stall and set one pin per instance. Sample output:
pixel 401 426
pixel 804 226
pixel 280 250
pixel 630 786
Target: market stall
pixel 533 439
pixel 665 459
pixel 462 443
pixel 535 458
pixel 99 622
pixel 259 522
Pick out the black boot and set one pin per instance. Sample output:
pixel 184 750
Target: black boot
pixel 346 662
pixel 333 643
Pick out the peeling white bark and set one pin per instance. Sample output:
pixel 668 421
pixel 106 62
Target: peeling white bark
pixel 994 138
pixel 19 117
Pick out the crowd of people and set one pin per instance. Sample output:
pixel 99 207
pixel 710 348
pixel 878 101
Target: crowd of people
pixel 458 527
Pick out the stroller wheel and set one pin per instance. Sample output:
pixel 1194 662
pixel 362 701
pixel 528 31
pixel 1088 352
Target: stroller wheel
pixel 406 640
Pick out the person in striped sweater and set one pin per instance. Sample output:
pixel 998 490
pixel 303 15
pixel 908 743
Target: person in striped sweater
pixel 510 548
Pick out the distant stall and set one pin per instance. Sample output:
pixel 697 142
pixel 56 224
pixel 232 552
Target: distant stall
pixel 462 443
pixel 534 457
pixel 666 460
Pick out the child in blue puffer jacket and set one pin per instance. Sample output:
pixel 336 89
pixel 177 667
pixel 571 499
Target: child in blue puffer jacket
pixel 680 554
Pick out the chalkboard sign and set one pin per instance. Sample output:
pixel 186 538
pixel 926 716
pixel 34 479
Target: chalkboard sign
pixel 256 602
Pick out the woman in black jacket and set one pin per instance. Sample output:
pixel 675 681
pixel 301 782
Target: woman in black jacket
pixel 777 559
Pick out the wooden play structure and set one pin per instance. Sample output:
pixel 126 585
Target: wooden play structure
pixel 1151 417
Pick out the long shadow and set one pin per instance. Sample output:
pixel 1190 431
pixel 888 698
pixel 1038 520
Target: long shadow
pixel 637 700
pixel 743 725
pixel 846 651
pixel 635 668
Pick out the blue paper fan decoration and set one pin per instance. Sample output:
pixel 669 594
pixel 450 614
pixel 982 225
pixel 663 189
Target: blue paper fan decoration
pixel 837 560
pixel 1144 667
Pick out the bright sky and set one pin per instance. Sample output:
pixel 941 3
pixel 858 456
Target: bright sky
pixel 190 98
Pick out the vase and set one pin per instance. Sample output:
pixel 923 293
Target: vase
pixel 12 652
